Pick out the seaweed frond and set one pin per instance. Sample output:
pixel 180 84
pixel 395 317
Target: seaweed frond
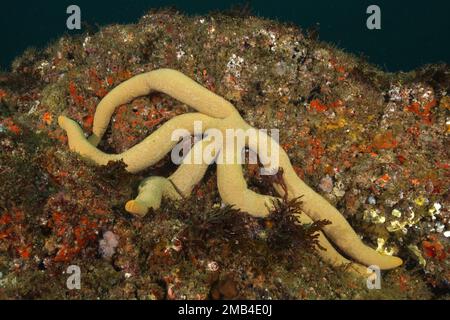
pixel 285 231
pixel 217 223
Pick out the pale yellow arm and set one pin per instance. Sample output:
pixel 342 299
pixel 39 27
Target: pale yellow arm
pixel 79 144
pixel 317 208
pixel 330 255
pixel 234 191
pixel 148 152
pixel 151 192
pixel 191 172
pixel 168 81
pixel 179 184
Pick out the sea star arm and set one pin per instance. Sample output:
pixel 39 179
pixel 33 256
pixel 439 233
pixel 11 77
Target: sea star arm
pixel 151 191
pixel 317 208
pixel 192 170
pixel 330 254
pixel 234 191
pixel 179 184
pixel 340 231
pixel 171 82
pixel 146 153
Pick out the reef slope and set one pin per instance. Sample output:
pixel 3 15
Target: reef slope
pixel 372 143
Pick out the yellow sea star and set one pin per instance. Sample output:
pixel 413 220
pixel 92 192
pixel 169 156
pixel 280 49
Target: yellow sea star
pixel 214 112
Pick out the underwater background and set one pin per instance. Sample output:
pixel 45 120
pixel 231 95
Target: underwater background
pixel 413 32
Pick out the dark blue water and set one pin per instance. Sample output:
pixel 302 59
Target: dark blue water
pixel 413 32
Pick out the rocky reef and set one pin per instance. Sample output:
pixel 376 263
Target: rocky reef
pixel 372 143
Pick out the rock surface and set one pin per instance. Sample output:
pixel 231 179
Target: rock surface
pixel 372 143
